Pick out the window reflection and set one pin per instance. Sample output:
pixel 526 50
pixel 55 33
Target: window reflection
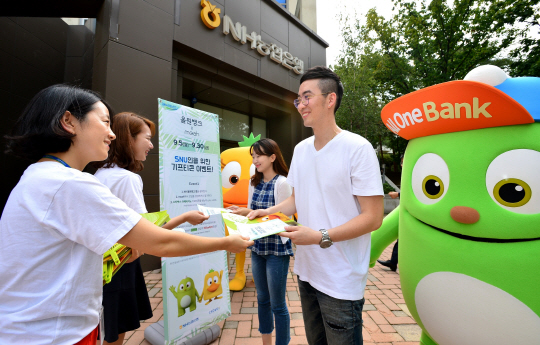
pixel 232 125
pixel 259 127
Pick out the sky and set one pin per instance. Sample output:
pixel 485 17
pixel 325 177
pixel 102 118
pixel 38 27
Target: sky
pixel 328 25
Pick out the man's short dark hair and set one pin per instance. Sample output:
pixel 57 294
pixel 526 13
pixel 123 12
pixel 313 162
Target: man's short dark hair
pixel 328 82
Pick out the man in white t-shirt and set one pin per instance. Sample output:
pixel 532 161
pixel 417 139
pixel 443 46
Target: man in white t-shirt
pixel 338 195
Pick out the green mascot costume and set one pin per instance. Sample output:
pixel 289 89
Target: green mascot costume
pixel 469 219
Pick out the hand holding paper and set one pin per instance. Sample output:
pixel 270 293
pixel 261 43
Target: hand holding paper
pixel 257 214
pixel 242 211
pixel 258 227
pixel 208 211
pixel 302 235
pixel 238 243
pixel 196 217
pixel 260 230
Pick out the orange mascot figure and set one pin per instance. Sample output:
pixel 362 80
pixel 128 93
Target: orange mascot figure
pixel 236 171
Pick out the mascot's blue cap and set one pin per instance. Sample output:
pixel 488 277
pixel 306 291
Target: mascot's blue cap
pixel 526 91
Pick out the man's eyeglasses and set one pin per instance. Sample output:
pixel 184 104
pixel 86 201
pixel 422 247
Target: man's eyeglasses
pixel 305 99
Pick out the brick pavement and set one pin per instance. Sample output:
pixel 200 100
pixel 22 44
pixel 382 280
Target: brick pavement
pixel 386 318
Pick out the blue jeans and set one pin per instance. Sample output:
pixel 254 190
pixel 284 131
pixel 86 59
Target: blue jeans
pixel 330 320
pixel 270 275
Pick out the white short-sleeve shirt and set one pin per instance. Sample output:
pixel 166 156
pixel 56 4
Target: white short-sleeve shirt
pixel 125 184
pixel 325 184
pixel 55 227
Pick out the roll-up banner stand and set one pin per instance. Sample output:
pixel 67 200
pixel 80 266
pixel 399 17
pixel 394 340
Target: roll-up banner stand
pixel 195 288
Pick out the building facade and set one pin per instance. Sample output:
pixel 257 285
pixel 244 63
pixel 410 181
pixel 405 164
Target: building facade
pixel 239 59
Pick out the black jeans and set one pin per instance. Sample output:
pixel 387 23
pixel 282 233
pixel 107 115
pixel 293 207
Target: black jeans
pixel 328 320
pixel 394 258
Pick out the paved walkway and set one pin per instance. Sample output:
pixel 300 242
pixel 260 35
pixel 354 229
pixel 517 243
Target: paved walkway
pixel 386 318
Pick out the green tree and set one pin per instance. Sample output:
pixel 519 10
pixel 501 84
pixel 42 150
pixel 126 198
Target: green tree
pixel 364 95
pixel 361 105
pixel 441 40
pixel 423 44
pixel 526 57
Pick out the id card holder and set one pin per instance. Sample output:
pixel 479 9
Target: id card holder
pixel 101 326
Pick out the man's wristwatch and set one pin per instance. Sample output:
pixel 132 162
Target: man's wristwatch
pixel 325 240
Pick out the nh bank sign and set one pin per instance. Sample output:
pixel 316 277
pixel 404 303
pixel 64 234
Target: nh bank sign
pixel 210 16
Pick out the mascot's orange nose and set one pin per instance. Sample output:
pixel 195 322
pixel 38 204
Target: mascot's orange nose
pixel 237 195
pixel 213 287
pixel 464 214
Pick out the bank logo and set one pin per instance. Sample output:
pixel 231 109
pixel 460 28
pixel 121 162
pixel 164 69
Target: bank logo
pixel 210 14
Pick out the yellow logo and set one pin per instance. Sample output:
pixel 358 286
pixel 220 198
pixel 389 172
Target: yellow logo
pixel 210 14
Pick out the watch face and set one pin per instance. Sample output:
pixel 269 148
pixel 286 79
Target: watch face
pixel 325 244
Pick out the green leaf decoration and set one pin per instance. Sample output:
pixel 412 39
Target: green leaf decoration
pixel 247 142
pixel 211 270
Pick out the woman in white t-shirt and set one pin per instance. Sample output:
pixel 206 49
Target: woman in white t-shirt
pixel 58 222
pixel 125 299
pixel 270 255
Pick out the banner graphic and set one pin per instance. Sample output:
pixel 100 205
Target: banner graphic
pixel 195 288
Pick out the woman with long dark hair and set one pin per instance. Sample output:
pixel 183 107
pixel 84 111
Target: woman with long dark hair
pixel 270 255
pixel 59 221
pixel 125 299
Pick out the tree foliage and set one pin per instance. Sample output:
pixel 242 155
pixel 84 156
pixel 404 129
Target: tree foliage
pixel 442 40
pixel 426 43
pixel 360 107
pixel 526 57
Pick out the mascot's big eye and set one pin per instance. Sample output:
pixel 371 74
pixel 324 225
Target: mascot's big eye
pixel 188 285
pixel 430 178
pixel 512 192
pixel 512 181
pixel 251 170
pixel 209 281
pixel 181 287
pixel 432 187
pixel 216 280
pixel 230 175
